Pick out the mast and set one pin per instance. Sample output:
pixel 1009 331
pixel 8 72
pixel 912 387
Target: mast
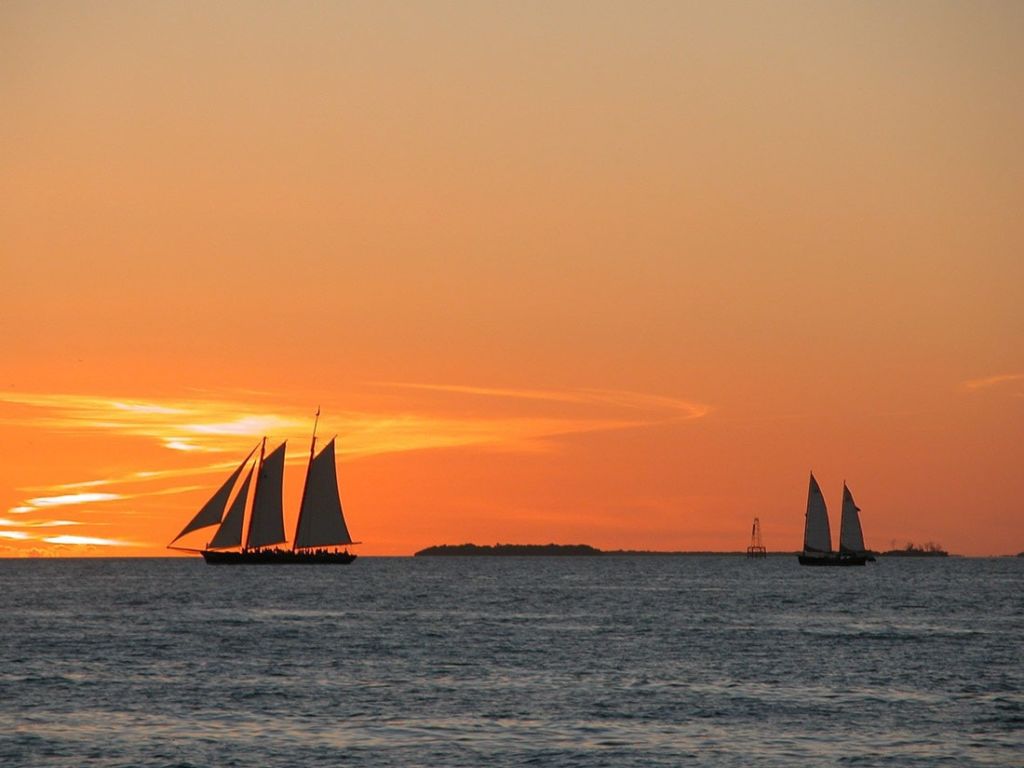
pixel 305 484
pixel 266 525
pixel 255 488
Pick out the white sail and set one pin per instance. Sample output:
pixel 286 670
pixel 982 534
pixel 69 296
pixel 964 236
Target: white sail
pixel 230 532
pixel 321 519
pixel 213 510
pixel 817 536
pixel 266 525
pixel 851 537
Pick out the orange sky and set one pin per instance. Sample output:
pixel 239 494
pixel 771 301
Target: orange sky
pixel 573 272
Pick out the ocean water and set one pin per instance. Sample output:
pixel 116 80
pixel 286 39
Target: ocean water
pixel 614 661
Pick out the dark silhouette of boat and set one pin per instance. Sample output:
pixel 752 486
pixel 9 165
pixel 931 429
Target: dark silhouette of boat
pixel 818 538
pixel 320 529
pixel 276 557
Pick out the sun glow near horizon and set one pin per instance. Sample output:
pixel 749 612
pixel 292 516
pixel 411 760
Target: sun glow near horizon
pixel 162 423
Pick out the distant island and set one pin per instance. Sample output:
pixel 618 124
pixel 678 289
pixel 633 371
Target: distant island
pixel 531 550
pixel 911 550
pixel 541 550
pixel 585 550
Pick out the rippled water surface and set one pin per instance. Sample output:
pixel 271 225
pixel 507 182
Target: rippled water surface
pixel 614 661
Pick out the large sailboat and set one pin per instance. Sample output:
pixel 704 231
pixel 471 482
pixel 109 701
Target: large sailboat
pixel 818 538
pixel 320 530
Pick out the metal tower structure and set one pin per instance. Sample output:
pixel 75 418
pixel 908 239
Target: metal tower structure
pixel 756 548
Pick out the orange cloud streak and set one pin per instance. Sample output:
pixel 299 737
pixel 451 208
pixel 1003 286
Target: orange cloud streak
pixel 993 381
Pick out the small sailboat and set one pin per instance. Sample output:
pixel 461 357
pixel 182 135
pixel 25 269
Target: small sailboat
pixel 818 537
pixel 320 530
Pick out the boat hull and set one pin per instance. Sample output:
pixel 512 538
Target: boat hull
pixel 834 559
pixel 276 557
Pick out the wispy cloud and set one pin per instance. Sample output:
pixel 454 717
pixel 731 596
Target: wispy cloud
pixel 71 498
pixel 993 381
pixel 86 541
pixel 601 397
pixel 27 530
pixel 142 476
pixel 211 425
pixel 21 534
pixel 194 425
pixel 36 523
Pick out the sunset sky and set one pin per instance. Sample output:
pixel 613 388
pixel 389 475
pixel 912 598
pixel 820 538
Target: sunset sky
pixel 609 273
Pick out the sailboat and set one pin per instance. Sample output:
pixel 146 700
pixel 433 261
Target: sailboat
pixel 320 529
pixel 818 538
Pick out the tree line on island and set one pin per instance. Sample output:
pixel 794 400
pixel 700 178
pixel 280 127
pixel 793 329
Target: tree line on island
pixel 534 550
pixel 509 549
pixel 930 549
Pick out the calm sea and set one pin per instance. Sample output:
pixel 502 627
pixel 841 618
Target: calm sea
pixel 615 661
